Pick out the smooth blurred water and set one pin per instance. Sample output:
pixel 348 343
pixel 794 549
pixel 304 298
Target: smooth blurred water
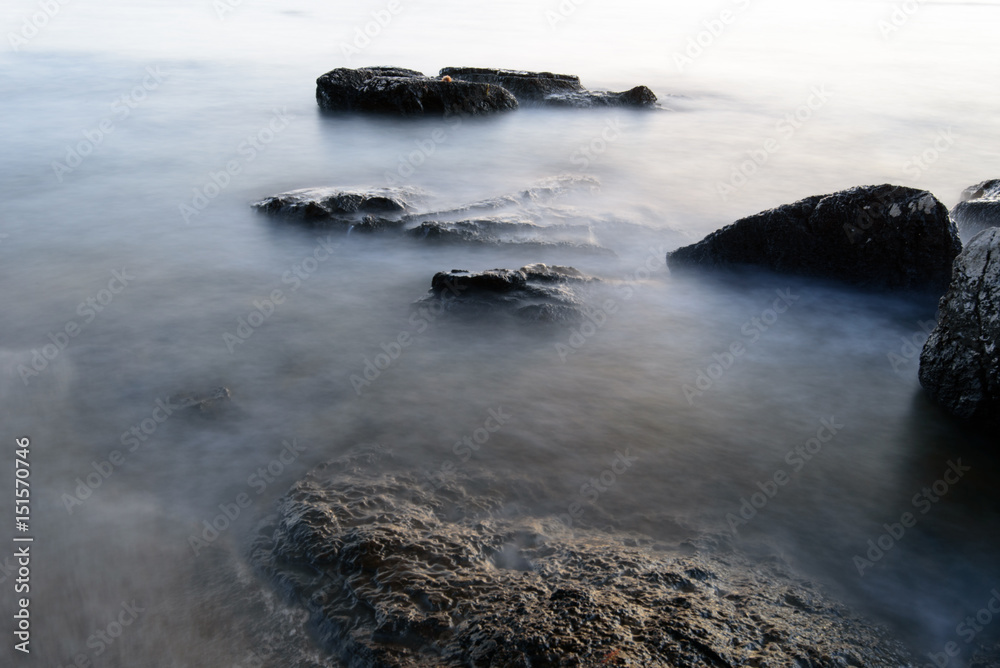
pixel 880 102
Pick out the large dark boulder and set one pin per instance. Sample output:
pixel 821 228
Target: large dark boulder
pixel 398 570
pixel 979 208
pixel 546 88
pixel 399 91
pixel 960 362
pixel 882 237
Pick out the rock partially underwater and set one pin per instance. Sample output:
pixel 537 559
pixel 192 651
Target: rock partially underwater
pixel 395 90
pixel 979 208
pixel 546 88
pixel 537 292
pixel 396 572
pixel 960 362
pixel 524 218
pixel 880 237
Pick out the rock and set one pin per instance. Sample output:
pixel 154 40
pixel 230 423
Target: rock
pixel 546 88
pixel 881 237
pixel 396 572
pixel 399 91
pixel 979 208
pixel 211 402
pixel 516 217
pixel 960 362
pixel 537 292
pixel 331 206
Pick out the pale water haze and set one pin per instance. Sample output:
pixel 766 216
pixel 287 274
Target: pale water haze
pixel 136 136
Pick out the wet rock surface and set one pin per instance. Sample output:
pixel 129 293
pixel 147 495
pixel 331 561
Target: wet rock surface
pixel 394 90
pixel 979 208
pixel 536 292
pixel 546 88
pixel 213 402
pixel 960 362
pixel 395 572
pixel 880 237
pixel 523 218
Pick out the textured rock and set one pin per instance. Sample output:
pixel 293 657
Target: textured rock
pixel 547 88
pixel 535 292
pixel 399 91
pixel 319 206
pixel 871 236
pixel 398 573
pixel 960 363
pixel 979 208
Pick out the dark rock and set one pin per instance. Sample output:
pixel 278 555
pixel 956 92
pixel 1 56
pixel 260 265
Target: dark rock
pixel 960 363
pixel 979 208
pixel 330 206
pixel 535 292
pixel 882 237
pixel 400 91
pixel 547 88
pixel 397 573
pixel 205 403
pixel 498 231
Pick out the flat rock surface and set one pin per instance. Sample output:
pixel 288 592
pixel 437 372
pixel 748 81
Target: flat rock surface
pixel 395 572
pixel 546 88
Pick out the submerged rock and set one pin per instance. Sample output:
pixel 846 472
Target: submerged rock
pixel 979 208
pixel 535 292
pixel 205 403
pixel 321 206
pixel 547 88
pixel 398 573
pixel 871 236
pixel 960 362
pixel 515 219
pixel 407 92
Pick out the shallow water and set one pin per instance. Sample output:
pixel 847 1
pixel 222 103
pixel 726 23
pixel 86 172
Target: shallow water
pixel 197 87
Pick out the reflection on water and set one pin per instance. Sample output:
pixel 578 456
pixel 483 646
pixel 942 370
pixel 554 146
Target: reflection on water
pixel 655 379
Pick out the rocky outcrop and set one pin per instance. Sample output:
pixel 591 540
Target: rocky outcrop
pixel 320 206
pixel 522 218
pixel 399 572
pixel 882 237
pixel 537 292
pixel 960 362
pixel 546 88
pixel 395 90
pixel 979 208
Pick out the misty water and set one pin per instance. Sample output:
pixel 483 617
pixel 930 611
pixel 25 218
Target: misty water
pixel 787 100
